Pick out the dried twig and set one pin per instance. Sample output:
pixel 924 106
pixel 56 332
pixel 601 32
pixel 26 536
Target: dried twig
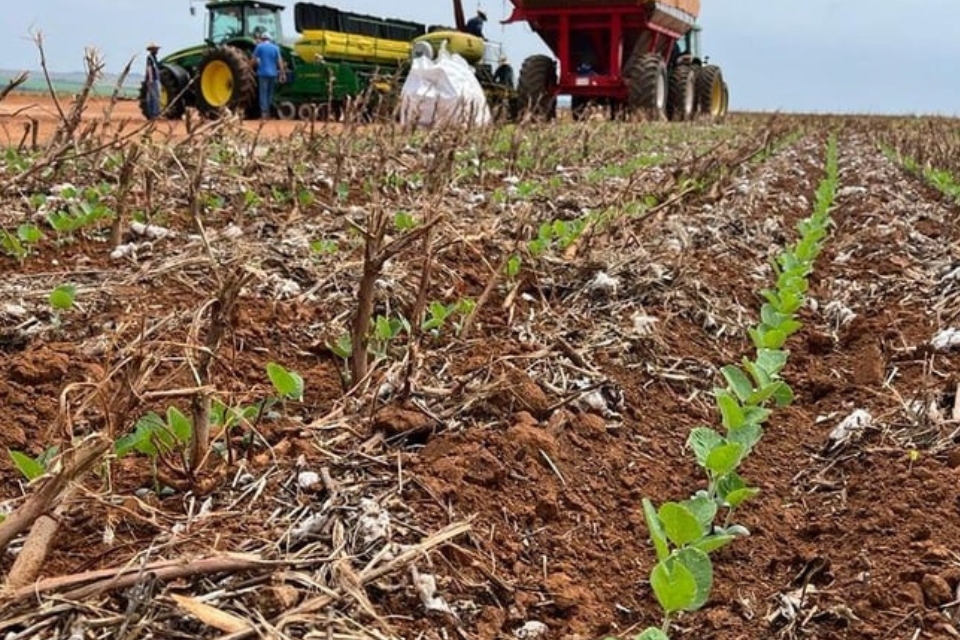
pixel 73 464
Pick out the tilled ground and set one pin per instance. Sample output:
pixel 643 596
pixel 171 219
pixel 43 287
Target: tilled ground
pixel 568 401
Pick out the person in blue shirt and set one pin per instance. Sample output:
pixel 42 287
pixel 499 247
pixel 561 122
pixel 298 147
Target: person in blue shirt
pixel 474 25
pixel 270 70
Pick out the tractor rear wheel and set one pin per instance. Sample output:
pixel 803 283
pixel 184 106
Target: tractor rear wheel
pixel 726 100
pixel 646 78
pixel 710 92
pixel 173 82
pixel 536 88
pixel 226 81
pixel 682 93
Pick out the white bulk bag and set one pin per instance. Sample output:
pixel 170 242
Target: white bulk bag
pixel 443 91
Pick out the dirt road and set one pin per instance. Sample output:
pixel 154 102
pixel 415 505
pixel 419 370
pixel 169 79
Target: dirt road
pixel 23 113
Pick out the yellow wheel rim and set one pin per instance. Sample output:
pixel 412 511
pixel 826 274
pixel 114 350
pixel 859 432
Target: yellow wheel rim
pixel 716 98
pixel 164 98
pixel 216 83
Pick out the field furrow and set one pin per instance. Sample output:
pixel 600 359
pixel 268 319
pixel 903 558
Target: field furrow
pixel 442 369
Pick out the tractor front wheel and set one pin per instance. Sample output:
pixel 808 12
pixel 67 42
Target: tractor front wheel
pixel 710 101
pixel 173 85
pixel 226 81
pixel 536 88
pixel 646 77
pixel 682 93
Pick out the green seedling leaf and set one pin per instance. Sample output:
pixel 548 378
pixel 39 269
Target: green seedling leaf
pixel 652 633
pixel 738 381
pixel 746 436
pixel 288 384
pixel 343 347
pixel 771 317
pixel 760 396
pixel 734 491
pixel 736 498
pixel 703 440
pixel 179 425
pixel 698 564
pixel 655 528
pixel 149 432
pixel 711 543
pixel 732 414
pixel 513 266
pixel 29 233
pixel 790 327
pixel 772 361
pixel 772 338
pixel 760 377
pixel 755 416
pixel 783 396
pixel 704 510
pixel 725 458
pixel 404 221
pixel 62 298
pixel 673 585
pixel 28 467
pixel 679 523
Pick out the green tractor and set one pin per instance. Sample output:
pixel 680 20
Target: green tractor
pixel 326 66
pixel 696 87
pixel 337 57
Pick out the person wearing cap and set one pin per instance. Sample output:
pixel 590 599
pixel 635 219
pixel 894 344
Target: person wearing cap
pixel 474 25
pixel 151 78
pixel 270 70
pixel 504 73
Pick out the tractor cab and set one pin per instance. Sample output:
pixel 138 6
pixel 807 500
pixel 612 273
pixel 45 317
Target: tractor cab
pixel 688 47
pixel 242 20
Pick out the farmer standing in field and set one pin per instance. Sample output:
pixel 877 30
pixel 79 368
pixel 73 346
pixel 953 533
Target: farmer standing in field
pixel 269 70
pixel 152 77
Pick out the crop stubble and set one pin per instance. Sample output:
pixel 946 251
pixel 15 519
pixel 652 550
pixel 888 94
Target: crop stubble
pixel 494 430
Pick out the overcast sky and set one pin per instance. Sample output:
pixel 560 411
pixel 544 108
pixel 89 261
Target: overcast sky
pixel 792 55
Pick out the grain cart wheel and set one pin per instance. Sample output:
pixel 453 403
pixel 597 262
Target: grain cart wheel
pixel 226 80
pixel 646 78
pixel 286 110
pixel 173 83
pixel 307 111
pixel 682 93
pixel 535 88
pixel 710 92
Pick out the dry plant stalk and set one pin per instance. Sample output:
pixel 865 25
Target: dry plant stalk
pixel 94 583
pixel 222 312
pixel 376 252
pixel 73 464
pixel 71 121
pixel 124 184
pixel 37 547
pixel 365 577
pixel 13 83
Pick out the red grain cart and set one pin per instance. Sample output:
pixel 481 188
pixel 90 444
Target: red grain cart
pixel 635 56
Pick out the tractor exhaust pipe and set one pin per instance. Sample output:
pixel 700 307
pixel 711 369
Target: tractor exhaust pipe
pixel 458 16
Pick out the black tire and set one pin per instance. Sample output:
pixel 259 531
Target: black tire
pixel 174 80
pixel 646 78
pixel 682 93
pixel 536 88
pixel 286 110
pixel 710 92
pixel 226 80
